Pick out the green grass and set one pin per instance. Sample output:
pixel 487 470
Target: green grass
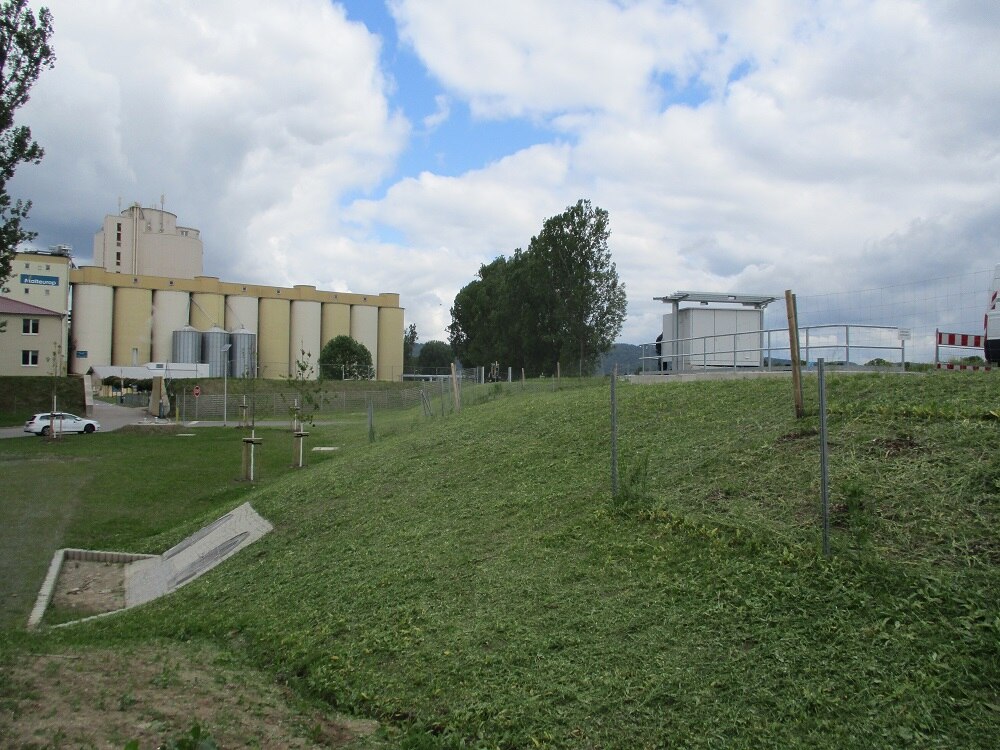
pixel 470 582
pixel 135 490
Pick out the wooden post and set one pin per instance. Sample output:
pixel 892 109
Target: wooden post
pixel 455 389
pixel 298 459
pixel 249 473
pixel 793 346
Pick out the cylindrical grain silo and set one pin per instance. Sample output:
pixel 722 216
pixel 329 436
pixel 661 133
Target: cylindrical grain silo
pixel 186 346
pixel 170 312
pixel 364 328
pixel 132 325
pixel 390 343
pixel 215 351
pixel 304 338
pixel 243 354
pixel 241 313
pixel 273 337
pixel 92 308
pixel 208 309
pixel 336 321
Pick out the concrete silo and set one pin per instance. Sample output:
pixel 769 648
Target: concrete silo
pixel 304 337
pixel 241 313
pixel 336 321
pixel 364 329
pixel 273 337
pixel 132 326
pixel 170 312
pixel 390 343
pixel 92 318
pixel 208 309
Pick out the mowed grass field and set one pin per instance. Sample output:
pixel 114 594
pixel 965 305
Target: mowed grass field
pixel 468 580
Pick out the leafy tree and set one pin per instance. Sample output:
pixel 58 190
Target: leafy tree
pixel 343 358
pixel 585 300
pixel 24 53
pixel 481 314
pixel 306 383
pixel 409 340
pixel 435 354
pixel 558 302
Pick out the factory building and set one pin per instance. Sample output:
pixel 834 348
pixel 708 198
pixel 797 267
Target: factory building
pixel 147 241
pixel 125 320
pixel 145 300
pixel 33 313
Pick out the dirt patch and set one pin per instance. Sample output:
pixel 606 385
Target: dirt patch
pixel 891 447
pixel 88 588
pixel 104 699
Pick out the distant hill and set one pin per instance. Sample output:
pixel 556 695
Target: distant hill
pixel 628 357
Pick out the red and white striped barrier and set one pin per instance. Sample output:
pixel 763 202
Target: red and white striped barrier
pixel 951 366
pixel 961 341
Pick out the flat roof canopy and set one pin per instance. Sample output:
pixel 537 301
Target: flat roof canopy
pixel 758 301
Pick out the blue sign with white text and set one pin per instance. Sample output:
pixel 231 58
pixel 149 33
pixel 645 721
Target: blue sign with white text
pixel 33 280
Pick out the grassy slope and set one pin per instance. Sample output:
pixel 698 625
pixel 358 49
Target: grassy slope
pixel 116 491
pixel 472 580
pixel 20 397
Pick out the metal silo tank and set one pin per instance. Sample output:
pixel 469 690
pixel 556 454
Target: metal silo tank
pixel 212 352
pixel 186 345
pixel 243 354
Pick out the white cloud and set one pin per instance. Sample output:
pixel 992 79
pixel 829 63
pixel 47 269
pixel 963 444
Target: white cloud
pixel 523 57
pixel 850 123
pixel 440 115
pixel 252 118
pixel 824 146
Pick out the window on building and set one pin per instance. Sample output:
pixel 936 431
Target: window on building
pixel 118 259
pixel 29 326
pixel 118 235
pixel 29 357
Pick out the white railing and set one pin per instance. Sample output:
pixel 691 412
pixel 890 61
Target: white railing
pixel 769 349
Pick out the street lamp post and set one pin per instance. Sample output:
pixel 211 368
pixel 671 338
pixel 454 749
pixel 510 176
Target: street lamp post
pixel 225 385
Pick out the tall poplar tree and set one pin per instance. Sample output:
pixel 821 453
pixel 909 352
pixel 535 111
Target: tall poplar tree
pixel 560 301
pixel 24 53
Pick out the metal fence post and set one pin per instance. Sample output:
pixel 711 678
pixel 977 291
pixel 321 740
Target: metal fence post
pixel 614 432
pixel 371 420
pixel 824 479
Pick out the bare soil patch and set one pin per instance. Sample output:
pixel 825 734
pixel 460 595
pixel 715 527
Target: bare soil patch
pixel 88 588
pixel 105 698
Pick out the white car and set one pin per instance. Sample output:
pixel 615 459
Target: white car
pixel 40 424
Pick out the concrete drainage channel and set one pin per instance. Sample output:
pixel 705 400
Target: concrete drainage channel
pixel 148 577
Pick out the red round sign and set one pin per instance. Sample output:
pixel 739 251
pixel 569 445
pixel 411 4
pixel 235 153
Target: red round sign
pixel 197 391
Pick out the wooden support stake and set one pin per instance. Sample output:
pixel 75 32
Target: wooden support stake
pixel 793 345
pixel 455 389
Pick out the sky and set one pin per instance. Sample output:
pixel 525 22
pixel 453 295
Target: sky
pixel 831 147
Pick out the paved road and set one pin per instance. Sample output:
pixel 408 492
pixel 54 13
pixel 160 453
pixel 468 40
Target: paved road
pixel 111 417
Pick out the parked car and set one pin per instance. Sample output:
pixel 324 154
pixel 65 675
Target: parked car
pixel 40 424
